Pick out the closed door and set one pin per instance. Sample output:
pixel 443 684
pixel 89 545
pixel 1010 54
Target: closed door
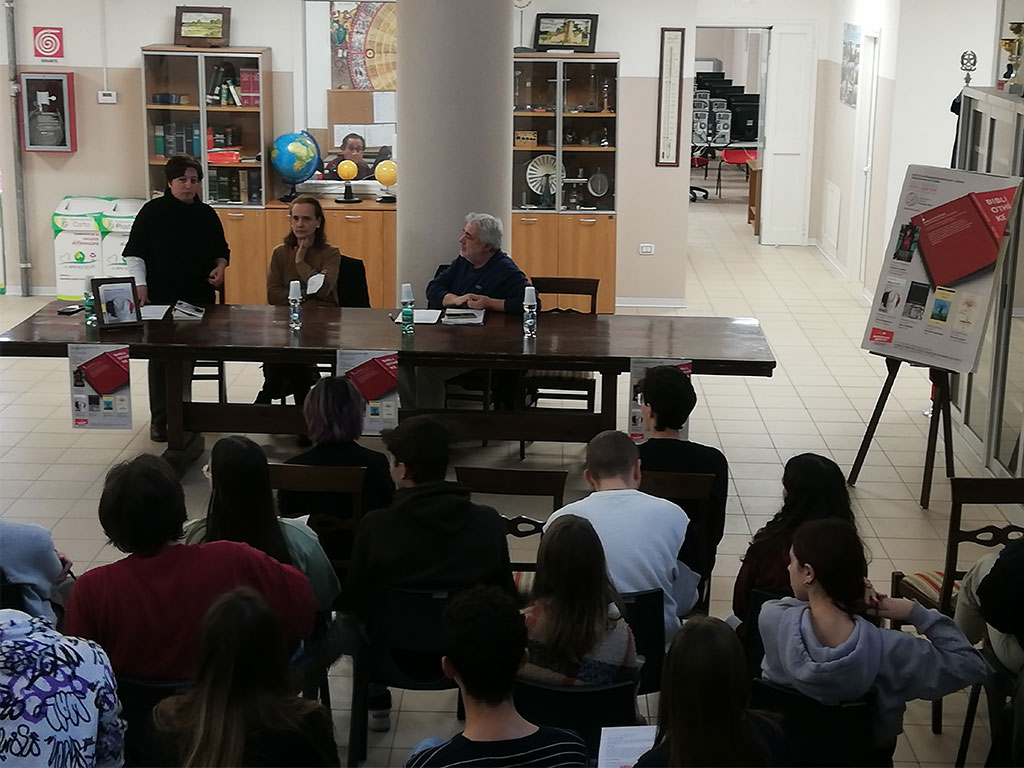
pixel 533 246
pixel 586 248
pixel 359 235
pixel 245 281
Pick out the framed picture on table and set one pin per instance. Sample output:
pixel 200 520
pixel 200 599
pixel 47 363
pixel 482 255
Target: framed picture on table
pixel 117 302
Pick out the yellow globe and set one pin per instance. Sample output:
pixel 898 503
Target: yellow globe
pixel 347 170
pixel 387 173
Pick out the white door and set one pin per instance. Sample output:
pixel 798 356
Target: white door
pixel 788 135
pixel 857 257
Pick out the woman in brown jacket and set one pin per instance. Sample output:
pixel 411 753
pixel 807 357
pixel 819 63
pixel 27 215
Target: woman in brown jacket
pixel 304 254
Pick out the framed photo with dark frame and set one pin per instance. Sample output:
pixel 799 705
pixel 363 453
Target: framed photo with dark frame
pixel 202 26
pixel 116 300
pixel 575 32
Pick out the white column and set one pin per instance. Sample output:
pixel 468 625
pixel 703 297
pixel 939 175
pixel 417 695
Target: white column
pixel 455 119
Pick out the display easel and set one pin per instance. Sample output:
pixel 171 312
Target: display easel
pixel 940 410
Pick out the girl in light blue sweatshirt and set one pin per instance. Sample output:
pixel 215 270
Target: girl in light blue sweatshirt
pixel 819 643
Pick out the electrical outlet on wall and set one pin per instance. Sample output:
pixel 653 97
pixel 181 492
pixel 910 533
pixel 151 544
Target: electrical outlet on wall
pixel 106 97
pixel 645 249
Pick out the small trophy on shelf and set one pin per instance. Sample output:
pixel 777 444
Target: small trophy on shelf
pixel 1014 46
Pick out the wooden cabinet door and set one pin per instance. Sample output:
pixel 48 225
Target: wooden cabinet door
pixel 586 248
pixel 278 226
pixel 358 234
pixel 533 246
pixel 389 231
pixel 245 281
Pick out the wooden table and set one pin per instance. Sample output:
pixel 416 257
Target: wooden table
pixel 754 194
pixel 601 343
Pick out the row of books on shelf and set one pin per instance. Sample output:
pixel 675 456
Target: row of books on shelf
pixel 236 185
pixel 173 139
pixel 227 89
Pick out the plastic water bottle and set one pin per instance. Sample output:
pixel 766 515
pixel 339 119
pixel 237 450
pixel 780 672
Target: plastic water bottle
pixel 530 312
pixel 295 305
pixel 89 301
pixel 408 309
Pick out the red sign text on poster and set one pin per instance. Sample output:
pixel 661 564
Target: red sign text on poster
pixel 48 42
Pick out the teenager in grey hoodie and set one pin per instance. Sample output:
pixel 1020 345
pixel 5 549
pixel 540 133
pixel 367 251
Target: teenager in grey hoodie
pixel 818 643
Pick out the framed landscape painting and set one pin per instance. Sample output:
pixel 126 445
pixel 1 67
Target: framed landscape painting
pixel 575 32
pixel 202 27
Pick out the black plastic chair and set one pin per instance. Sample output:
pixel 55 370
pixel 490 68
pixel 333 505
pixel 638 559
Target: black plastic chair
pixel 138 698
pixel 753 645
pixel 822 734
pixel 582 709
pixel 645 614
pixel 401 649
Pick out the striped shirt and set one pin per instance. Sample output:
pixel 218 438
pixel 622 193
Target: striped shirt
pixel 547 747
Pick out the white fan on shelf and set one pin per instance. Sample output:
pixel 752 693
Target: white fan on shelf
pixel 544 171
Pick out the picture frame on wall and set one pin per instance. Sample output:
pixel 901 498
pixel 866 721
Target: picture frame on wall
pixel 117 302
pixel 575 32
pixel 202 26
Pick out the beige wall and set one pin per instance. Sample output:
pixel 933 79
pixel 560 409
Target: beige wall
pixel 650 201
pixel 109 161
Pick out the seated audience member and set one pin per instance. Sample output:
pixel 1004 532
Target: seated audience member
pixel 484 640
pixel 146 609
pixel 58 696
pixel 668 400
pixel 577 633
pixel 988 605
pixel 242 509
pixel 242 709
pixel 352 148
pixel 482 276
pixel 819 642
pixel 814 488
pixel 641 534
pixel 33 566
pixel 702 714
pixel 432 535
pixel 334 412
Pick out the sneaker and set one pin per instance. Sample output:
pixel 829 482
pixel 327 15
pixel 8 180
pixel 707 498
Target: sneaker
pixel 380 720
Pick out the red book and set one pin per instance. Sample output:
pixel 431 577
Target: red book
pixel 108 372
pixel 376 377
pixel 961 238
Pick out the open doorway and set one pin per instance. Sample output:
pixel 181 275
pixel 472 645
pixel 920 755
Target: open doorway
pixel 730 88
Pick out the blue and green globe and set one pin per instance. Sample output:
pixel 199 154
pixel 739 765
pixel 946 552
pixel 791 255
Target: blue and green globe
pixel 296 157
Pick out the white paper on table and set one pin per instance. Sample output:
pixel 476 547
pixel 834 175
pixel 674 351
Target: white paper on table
pixel 315 283
pixel 379 135
pixel 343 130
pixel 384 107
pixel 422 316
pixel 155 311
pixel 621 747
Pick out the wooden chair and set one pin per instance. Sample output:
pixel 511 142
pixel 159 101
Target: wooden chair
pixel 582 709
pixel 563 385
pixel 346 481
pixel 518 482
pixel 401 649
pixel 821 734
pixel 692 493
pixel 213 370
pixel 645 614
pixel 935 589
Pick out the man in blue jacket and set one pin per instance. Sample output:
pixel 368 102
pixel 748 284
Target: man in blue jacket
pixel 482 276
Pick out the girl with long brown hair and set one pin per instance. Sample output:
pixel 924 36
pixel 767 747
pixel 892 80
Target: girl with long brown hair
pixel 577 633
pixel 241 710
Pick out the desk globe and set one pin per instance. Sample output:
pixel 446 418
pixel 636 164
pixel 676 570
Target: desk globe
pixel 295 157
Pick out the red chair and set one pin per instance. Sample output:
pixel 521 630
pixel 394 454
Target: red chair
pixel 734 157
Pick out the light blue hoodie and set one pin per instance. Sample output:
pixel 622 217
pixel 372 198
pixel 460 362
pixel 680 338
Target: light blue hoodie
pixel 896 667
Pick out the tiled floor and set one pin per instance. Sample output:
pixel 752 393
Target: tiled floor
pixel 818 400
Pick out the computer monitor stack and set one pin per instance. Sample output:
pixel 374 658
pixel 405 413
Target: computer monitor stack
pixel 745 112
pixel 722 112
